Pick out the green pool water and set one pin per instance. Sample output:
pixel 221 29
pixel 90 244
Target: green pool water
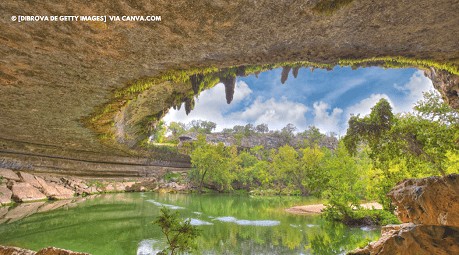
pixel 121 224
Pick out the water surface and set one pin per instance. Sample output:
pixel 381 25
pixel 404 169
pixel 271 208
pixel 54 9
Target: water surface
pixel 121 224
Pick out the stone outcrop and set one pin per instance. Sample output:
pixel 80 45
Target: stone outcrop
pixel 8 250
pixel 447 84
pixel 25 192
pixel 30 187
pixel 429 209
pixel 430 201
pixel 9 174
pixel 411 239
pixel 5 195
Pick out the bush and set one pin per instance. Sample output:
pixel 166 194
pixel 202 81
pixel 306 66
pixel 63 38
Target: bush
pixel 180 235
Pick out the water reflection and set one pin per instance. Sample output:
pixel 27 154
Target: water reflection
pixel 121 224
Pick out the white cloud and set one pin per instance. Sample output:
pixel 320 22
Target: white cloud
pixel 337 93
pixel 275 113
pixel 211 105
pixel 417 84
pixel 327 121
pixel 364 106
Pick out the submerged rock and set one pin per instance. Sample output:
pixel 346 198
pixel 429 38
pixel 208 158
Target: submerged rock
pixel 57 251
pixel 9 250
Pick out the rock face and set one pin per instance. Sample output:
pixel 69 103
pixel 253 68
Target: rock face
pixel 429 207
pixel 68 69
pixel 447 84
pixel 411 239
pixel 430 201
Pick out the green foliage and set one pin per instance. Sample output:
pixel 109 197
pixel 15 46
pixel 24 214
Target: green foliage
pixel 330 6
pixel 171 176
pixel 405 146
pixel 202 126
pixel 433 108
pixel 213 165
pixel 180 235
pixel 400 62
pixel 159 132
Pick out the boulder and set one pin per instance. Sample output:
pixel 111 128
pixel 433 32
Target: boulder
pixel 57 251
pixel 7 250
pixel 25 192
pixel 428 201
pixel 30 179
pixel 5 195
pixel 411 239
pixel 54 190
pixel 9 174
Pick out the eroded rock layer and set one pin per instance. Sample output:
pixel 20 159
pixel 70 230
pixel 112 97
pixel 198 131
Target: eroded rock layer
pixel 55 74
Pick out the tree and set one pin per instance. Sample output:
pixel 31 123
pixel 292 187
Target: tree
pixel 202 126
pixel 287 133
pixel 177 128
pixel 404 146
pixel 345 185
pixel 285 163
pixel 312 136
pixel 262 128
pixel 213 165
pixel 180 235
pixel 433 108
pixel 311 176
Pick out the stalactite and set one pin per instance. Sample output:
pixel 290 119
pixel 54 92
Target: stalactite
pixel 285 71
pixel 230 84
pixel 295 71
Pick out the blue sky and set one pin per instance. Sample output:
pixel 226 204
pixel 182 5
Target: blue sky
pixel 321 98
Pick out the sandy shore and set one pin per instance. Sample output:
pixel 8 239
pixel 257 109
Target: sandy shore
pixel 317 208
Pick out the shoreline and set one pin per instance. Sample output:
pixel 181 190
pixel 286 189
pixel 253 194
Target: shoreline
pixel 318 208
